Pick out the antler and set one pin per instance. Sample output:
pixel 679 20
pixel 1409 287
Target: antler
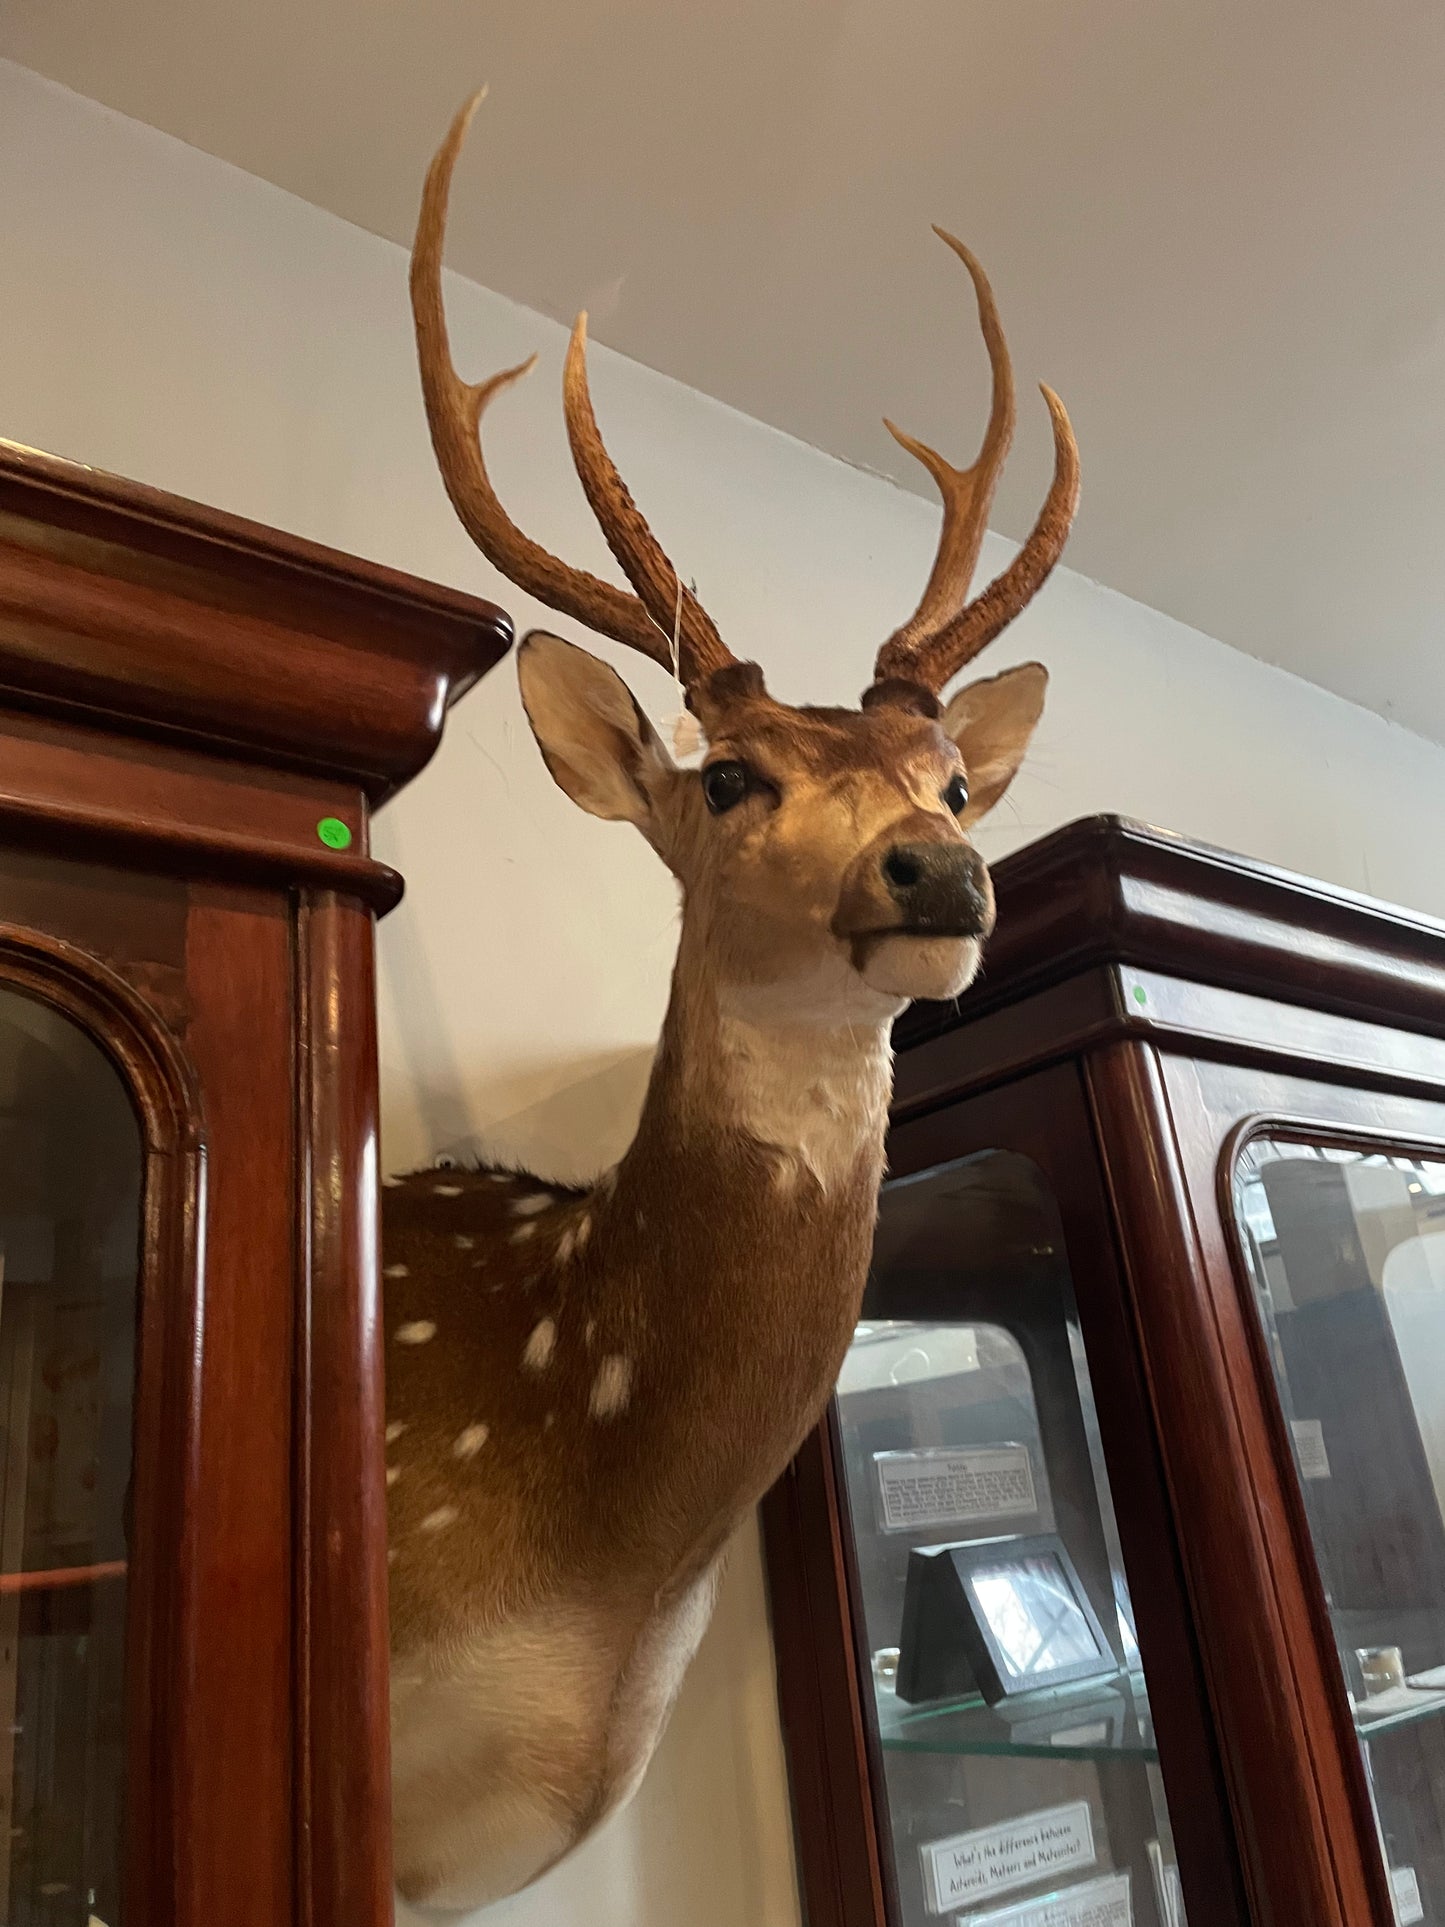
pixel 454 409
pixel 947 630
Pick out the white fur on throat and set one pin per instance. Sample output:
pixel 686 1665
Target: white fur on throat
pixel 807 1068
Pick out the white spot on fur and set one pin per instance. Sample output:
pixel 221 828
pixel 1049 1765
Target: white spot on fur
pixel 529 1207
pixel 391 1555
pixel 392 1183
pixel 463 1242
pixel 417 1331
pixel 523 1231
pixel 612 1387
pixel 393 1473
pixel 549 1421
pixel 589 1331
pixel 396 1271
pixel 501 1177
pixel 445 1515
pixel 395 1430
pixel 467 1444
pixel 566 1244
pixel 540 1346
pixel 584 1230
pixel 446 1190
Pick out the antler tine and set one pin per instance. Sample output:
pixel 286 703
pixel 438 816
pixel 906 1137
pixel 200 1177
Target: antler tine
pixel 967 492
pixel 454 410
pixel 947 630
pixel 639 554
pixel 990 613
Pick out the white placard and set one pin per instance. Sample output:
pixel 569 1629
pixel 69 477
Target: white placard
pixel 994 1860
pixel 1409 1907
pixel 1096 1903
pixel 1168 1893
pixel 1309 1445
pixel 935 1486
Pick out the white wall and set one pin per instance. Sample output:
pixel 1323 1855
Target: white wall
pixel 170 318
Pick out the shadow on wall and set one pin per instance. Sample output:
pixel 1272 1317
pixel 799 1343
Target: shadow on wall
pixel 583 1124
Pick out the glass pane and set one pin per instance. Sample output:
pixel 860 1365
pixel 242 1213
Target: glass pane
pixel 70 1177
pixel 1021 1777
pixel 1347 1255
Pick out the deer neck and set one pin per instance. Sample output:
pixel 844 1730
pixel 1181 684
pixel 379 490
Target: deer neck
pixel 785 1084
pixel 748 1200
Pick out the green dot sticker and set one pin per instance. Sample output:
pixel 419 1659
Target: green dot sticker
pixel 1141 995
pixel 335 834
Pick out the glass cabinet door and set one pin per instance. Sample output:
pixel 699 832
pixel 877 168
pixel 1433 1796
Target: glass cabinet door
pixel 70 1187
pixel 1346 1250
pixel 1021 1784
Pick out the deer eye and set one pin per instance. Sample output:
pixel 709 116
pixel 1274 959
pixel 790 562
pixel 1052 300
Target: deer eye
pixel 955 795
pixel 723 785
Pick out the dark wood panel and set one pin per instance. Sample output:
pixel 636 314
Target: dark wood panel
pixel 1107 891
pixel 822 1657
pixel 343 1762
pixel 120 601
pixel 1293 1801
pixel 89 794
pixel 237 1728
pixel 135 924
pixel 831 1759
pixel 1046 1117
pixel 1109 1002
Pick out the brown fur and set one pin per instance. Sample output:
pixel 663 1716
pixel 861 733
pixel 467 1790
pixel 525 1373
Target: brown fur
pixel 588 1388
pixel 586 1399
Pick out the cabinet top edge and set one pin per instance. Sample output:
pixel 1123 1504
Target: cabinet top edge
pixel 1108 890
pixel 143 517
pixel 176 620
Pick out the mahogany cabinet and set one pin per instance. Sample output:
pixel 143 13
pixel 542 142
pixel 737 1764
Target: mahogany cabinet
pixel 1112 1589
pixel 197 717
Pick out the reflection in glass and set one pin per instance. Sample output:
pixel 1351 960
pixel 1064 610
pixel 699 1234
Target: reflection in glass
pixel 966 1415
pixel 70 1174
pixel 1034 1617
pixel 1346 1250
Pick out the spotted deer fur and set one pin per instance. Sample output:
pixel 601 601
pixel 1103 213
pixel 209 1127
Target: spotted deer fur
pixel 589 1387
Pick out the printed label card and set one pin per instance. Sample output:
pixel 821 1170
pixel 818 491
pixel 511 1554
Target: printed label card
pixel 993 1860
pixel 1096 1903
pixel 936 1487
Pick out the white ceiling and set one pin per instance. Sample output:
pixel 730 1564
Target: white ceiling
pixel 1216 226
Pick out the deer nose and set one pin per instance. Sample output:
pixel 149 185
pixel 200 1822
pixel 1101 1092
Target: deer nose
pixel 940 887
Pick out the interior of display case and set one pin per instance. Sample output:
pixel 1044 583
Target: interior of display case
pixel 1345 1248
pixel 1020 1776
pixel 70 1186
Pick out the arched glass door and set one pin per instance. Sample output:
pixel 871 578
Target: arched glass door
pixel 70 1194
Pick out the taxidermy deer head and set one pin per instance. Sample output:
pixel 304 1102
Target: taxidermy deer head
pixel 590 1387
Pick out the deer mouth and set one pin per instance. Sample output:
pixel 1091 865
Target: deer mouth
pixel 918 960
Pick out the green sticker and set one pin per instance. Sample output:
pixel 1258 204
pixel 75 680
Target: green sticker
pixel 334 833
pixel 1141 995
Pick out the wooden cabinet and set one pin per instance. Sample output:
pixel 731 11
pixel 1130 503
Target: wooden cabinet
pixel 197 717
pixel 1164 1233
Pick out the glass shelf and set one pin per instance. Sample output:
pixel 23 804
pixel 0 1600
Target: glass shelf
pixel 1389 1712
pixel 1109 1725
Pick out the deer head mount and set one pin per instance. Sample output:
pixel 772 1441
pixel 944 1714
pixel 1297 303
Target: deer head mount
pixel 588 1387
pixel 784 766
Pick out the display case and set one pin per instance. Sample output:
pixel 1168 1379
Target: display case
pixel 197 719
pixel 1112 1589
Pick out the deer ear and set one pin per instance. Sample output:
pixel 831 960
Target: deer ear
pixel 597 743
pixel 992 722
